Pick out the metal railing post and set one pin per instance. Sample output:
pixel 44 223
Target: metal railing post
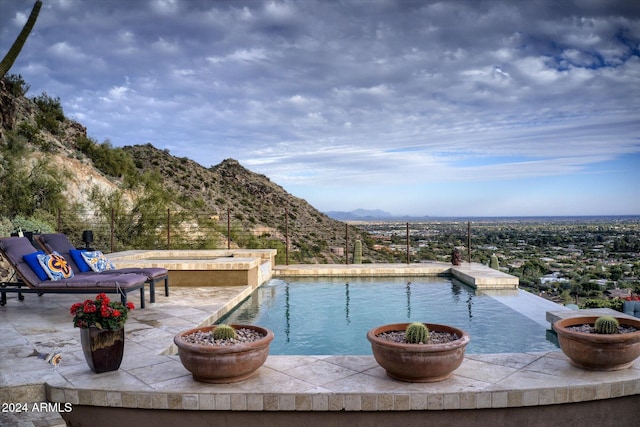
pixel 346 245
pixel 286 235
pixel 408 246
pixel 228 228
pixel 112 229
pixel 469 241
pixel 168 228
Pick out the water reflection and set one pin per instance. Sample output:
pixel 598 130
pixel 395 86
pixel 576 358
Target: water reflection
pixel 287 312
pixel 408 300
pixel 456 289
pixel 346 307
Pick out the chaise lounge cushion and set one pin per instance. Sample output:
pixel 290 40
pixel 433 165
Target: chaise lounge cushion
pixel 16 248
pixel 60 242
pixel 92 281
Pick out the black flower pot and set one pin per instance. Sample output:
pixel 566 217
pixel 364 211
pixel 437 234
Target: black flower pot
pixel 103 349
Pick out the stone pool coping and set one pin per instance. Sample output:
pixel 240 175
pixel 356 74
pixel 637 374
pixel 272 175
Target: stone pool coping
pixel 204 267
pixel 474 274
pixel 195 259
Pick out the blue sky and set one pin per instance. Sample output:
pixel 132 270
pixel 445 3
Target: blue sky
pixel 455 108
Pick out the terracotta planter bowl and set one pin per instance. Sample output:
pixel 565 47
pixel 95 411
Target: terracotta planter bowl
pixel 418 362
pixel 598 352
pixel 223 364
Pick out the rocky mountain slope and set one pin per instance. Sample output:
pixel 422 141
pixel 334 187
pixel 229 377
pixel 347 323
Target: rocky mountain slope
pixel 255 205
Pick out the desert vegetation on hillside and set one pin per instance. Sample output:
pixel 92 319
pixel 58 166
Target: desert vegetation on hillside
pixel 56 177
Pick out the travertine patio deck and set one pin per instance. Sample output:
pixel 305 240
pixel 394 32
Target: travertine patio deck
pixel 314 387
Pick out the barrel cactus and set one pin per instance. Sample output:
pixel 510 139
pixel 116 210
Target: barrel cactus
pixel 223 332
pixel 417 333
pixel 606 325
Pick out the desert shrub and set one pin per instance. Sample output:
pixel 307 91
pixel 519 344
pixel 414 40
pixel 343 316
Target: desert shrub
pixel 27 187
pixel 6 226
pixel 16 85
pixel 51 114
pixel 27 130
pixel 31 133
pixel 33 223
pixel 613 303
pixel 111 161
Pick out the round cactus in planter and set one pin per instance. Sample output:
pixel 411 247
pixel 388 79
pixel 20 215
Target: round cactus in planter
pixel 223 360
pixel 607 350
pixel 417 333
pixel 606 325
pixel 223 332
pixel 428 360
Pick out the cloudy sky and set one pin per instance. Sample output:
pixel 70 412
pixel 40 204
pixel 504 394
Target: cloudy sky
pixel 452 108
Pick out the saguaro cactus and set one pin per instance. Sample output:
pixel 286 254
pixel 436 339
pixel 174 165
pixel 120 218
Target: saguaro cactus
pixel 16 47
pixel 357 252
pixel 494 262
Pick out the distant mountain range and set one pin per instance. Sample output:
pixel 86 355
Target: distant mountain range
pixel 362 215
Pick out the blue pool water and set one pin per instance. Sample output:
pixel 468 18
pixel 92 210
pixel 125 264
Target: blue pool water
pixel 330 316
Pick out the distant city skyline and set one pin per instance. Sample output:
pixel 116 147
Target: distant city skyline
pixel 423 108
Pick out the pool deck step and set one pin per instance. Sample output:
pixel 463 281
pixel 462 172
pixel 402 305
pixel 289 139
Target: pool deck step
pixel 483 277
pixel 554 316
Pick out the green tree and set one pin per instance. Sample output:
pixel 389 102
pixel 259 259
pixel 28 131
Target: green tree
pixel 139 220
pixel 615 272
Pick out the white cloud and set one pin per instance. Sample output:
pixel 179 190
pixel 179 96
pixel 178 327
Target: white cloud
pixel 165 7
pixel 20 19
pixel 322 93
pixel 279 10
pixel 164 46
pixel 68 52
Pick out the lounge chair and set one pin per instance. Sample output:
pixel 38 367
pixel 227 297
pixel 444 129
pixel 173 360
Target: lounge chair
pixel 14 250
pixel 61 244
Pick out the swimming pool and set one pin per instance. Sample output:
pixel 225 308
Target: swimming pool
pixel 331 316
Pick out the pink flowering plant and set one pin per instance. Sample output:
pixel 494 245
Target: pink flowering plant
pixel 101 313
